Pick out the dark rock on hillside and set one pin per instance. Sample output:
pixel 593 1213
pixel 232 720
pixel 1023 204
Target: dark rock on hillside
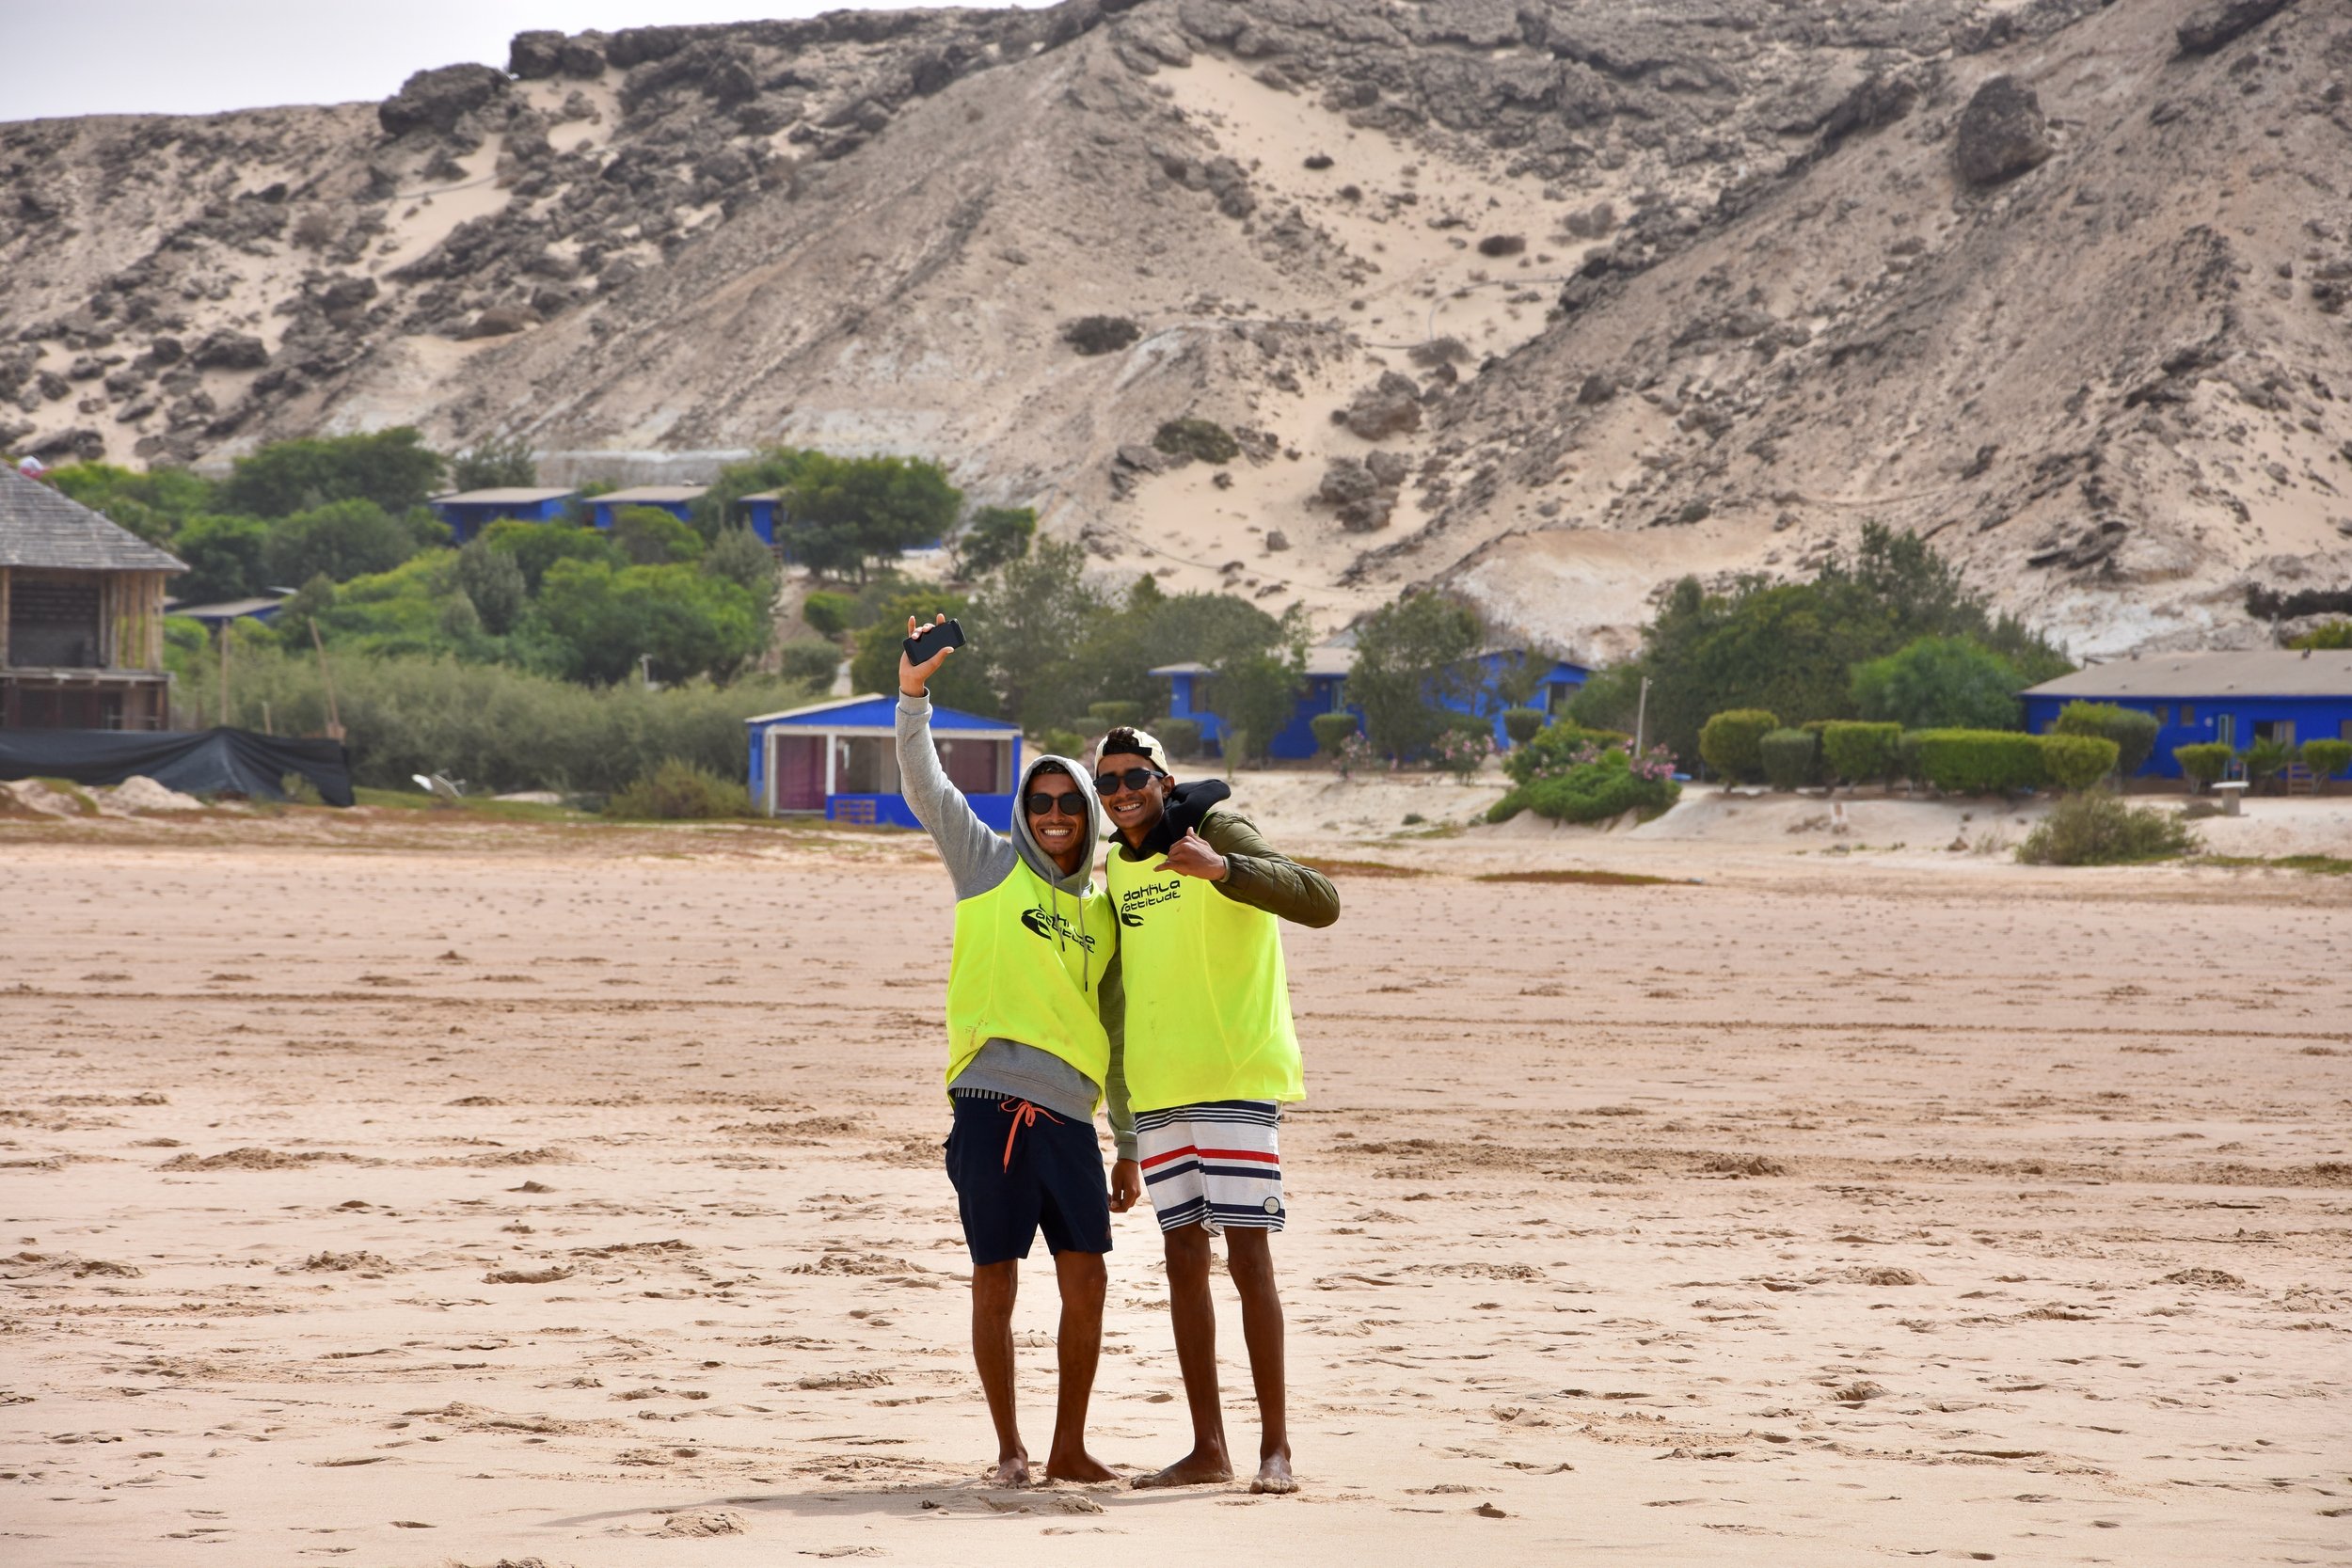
pixel 1355 494
pixel 500 321
pixel 1391 406
pixel 229 351
pixel 437 100
pixel 2209 28
pixel 1091 335
pixel 2002 132
pixel 537 56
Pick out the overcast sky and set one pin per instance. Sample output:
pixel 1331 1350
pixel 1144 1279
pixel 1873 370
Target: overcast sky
pixel 195 56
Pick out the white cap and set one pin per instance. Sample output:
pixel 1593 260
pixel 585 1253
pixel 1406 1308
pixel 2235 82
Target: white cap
pixel 1145 745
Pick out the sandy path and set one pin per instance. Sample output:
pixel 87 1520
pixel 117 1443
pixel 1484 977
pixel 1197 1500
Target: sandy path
pixel 1799 1223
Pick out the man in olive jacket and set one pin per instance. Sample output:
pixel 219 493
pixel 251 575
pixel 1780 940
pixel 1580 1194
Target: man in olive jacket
pixel 1209 1059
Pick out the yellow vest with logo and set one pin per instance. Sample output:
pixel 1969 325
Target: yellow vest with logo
pixel 1028 967
pixel 1208 997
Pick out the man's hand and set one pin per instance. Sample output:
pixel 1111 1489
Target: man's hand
pixel 915 679
pixel 1190 856
pixel 1126 1185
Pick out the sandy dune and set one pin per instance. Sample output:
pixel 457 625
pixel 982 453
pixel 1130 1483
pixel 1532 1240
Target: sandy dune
pixel 429 1196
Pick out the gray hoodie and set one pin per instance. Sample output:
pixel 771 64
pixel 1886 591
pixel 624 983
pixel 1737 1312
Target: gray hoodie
pixel 979 858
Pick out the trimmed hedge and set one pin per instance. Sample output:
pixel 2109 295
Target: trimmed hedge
pixel 2133 731
pixel 1521 723
pixel 1731 742
pixel 1331 731
pixel 2076 762
pixel 1858 751
pixel 1790 758
pixel 1977 762
pixel 1182 736
pixel 2205 762
pixel 2327 758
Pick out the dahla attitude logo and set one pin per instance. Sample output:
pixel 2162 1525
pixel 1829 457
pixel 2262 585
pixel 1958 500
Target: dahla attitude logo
pixel 1049 926
pixel 1132 902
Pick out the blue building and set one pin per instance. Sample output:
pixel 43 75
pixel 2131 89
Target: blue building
pixel 676 499
pixel 2283 694
pixel 759 513
pixel 468 513
pixel 1323 691
pixel 841 758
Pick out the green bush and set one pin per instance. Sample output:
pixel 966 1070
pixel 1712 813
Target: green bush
pixel 1939 683
pixel 2207 761
pixel 648 536
pixel 1605 787
pixel 813 664
pixel 1790 758
pixel 1204 439
pixel 1521 723
pixel 678 791
pixel 2133 731
pixel 2328 634
pixel 1554 750
pixel 1116 715
pixel 1063 743
pixel 1978 762
pixel 1331 731
pixel 1730 742
pixel 2266 759
pixel 1182 736
pixel 2076 762
pixel 1857 751
pixel 827 613
pixel 2327 758
pixel 2097 827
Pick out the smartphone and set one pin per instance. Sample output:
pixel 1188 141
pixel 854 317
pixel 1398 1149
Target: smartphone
pixel 928 641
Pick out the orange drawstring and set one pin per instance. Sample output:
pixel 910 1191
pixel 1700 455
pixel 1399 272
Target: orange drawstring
pixel 1024 1115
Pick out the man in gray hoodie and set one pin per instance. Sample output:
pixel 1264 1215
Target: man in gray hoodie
pixel 1029 1059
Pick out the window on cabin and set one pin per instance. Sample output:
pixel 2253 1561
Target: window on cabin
pixel 976 767
pixel 2164 715
pixel 2188 713
pixel 2279 729
pixel 864 764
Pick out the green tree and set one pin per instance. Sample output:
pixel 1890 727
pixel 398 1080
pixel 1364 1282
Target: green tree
pixel 1609 699
pixel 841 514
pixel 714 511
pixel 391 467
pixel 224 556
pixel 343 540
pixel 1413 658
pixel 1030 626
pixel 494 585
pixel 536 546
pixel 495 462
pixel 154 505
pixel 738 555
pixel 648 536
pixel 691 624
pixel 1939 683
pixel 995 537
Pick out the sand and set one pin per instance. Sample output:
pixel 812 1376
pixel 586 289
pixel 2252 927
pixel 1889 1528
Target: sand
pixel 389 1187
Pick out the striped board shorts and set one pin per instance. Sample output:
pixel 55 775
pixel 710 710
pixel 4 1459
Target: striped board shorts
pixel 1214 1164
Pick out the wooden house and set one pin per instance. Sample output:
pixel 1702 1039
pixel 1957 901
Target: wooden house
pixel 81 616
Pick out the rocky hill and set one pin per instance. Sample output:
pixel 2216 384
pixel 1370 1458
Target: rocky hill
pixel 1554 300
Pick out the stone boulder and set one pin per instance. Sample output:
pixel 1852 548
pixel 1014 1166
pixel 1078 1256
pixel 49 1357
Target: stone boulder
pixel 1092 335
pixel 1356 493
pixel 536 56
pixel 437 100
pixel 2210 26
pixel 224 349
pixel 2002 132
pixel 500 321
pixel 1389 406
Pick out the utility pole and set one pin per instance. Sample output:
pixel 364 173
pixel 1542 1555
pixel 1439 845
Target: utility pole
pixel 334 720
pixel 1640 717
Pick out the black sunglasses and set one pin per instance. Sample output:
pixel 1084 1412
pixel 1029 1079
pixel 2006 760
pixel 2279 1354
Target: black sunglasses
pixel 1043 804
pixel 1133 778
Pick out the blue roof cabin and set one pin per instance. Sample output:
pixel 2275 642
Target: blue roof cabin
pixel 759 516
pixel 841 758
pixel 676 499
pixel 469 512
pixel 1323 691
pixel 2283 694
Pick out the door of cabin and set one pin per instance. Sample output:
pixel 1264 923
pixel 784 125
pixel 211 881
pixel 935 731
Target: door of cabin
pixel 798 764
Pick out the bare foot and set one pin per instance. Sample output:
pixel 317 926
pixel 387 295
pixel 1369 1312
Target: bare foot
pixel 1081 1468
pixel 1274 1474
pixel 1201 1467
pixel 1012 1469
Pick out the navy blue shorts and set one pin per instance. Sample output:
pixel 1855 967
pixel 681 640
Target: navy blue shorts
pixel 1052 1180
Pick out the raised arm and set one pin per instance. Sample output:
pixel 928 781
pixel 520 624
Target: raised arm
pixel 976 856
pixel 1263 878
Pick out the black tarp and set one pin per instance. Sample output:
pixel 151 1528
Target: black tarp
pixel 199 762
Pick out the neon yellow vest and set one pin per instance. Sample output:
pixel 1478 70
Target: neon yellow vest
pixel 1028 967
pixel 1208 997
